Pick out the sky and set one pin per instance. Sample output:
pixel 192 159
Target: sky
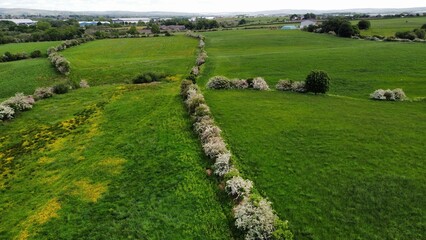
pixel 197 6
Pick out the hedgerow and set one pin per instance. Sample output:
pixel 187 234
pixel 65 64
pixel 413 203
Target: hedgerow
pixel 43 92
pixel 389 95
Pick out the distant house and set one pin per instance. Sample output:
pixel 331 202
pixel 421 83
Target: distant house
pixel 92 23
pixel 307 23
pixel 289 27
pixel 27 22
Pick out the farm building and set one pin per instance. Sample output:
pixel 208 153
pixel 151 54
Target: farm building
pixel 306 23
pixel 27 22
pixel 91 23
pixel 289 27
pixel 130 20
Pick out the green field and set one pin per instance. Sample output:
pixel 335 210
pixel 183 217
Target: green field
pixel 120 60
pixel 27 47
pixel 107 163
pixel 388 27
pixel 357 68
pixel 26 75
pixel 339 166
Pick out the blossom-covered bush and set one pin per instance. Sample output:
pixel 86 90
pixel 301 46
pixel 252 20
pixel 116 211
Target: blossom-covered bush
pixel 238 187
pixel 214 147
pixel 194 100
pixel 84 84
pixel 6 112
pixel 256 219
pixel 219 82
pixel 239 84
pixel 298 86
pixel 20 102
pixel 201 111
pixel 222 165
pixel 284 85
pixel 201 59
pixel 260 84
pixel 195 70
pixel 209 132
pixel 60 63
pixel 389 95
pixel 43 92
pixel 184 87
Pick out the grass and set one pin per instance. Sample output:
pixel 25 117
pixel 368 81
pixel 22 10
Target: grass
pixel 388 27
pixel 336 168
pixel 120 60
pixel 107 162
pixel 27 47
pixel 356 67
pixel 25 76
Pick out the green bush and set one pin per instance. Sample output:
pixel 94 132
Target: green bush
pixel 406 35
pixel 184 86
pixel 317 82
pixel 60 88
pixel 423 26
pixel 364 24
pixel 420 33
pixel 346 30
pixel 35 54
pixel 149 77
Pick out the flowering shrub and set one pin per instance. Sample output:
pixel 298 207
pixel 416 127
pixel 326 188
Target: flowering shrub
pixel 390 95
pixel 6 112
pixel 238 187
pixel 219 82
pixel 201 44
pixel 194 100
pixel 239 84
pixel 298 87
pixel 214 147
pixel 43 92
pixel 84 84
pixel 209 132
pixel 201 111
pixel 256 219
pixel 284 85
pixel 61 64
pixel 195 71
pixel 202 124
pixel 222 165
pixel 260 84
pixel 201 58
pixel 20 102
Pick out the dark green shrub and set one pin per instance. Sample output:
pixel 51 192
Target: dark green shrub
pixel 60 88
pixel 192 78
pixel 346 30
pixel 35 54
pixel 364 24
pixel 149 77
pixel 423 26
pixel 406 35
pixel 420 33
pixel 317 82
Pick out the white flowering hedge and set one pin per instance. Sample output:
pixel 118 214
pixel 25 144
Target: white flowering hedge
pixel 17 103
pixel 255 218
pixel 389 95
pixel 221 82
pixel 288 85
pixel 43 92
pixel 6 112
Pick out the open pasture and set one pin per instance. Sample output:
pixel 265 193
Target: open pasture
pixel 388 27
pixel 357 67
pixel 27 47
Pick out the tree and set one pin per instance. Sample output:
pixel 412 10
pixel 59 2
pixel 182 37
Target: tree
pixel 333 24
pixel 309 16
pixel 242 22
pixel 317 82
pixel 41 25
pixel 132 30
pixel 364 24
pixel 346 30
pixel 155 29
pixel 420 33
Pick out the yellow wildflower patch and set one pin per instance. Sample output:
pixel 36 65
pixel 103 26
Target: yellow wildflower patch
pixel 113 166
pixel 89 191
pixel 45 160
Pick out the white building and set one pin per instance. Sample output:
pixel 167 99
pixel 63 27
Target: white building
pixel 27 22
pixel 130 20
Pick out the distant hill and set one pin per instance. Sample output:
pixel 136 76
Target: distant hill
pixel 23 11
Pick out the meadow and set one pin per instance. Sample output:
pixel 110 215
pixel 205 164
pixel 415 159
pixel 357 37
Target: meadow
pixel 339 166
pixel 121 60
pixel 388 27
pixel 27 47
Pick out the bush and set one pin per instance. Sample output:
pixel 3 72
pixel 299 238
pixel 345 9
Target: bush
pixel 61 64
pixel 238 188
pixel 257 219
pixel 6 112
pixel 60 88
pixel 184 86
pixel 194 100
pixel 84 84
pixel 299 86
pixel 201 110
pixel 423 26
pixel 35 54
pixel 239 84
pixel 195 71
pixel 260 84
pixel 282 231
pixel 364 24
pixel 209 132
pixel 215 147
pixel 149 77
pixel 346 30
pixel 390 95
pixel 222 165
pixel 284 85
pixel 219 82
pixel 20 102
pixel 201 59
pixel 420 33
pixel 43 92
pixel 406 35
pixel 317 82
